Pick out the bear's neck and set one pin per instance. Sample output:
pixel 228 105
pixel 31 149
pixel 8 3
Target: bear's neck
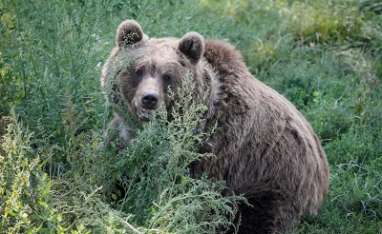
pixel 207 89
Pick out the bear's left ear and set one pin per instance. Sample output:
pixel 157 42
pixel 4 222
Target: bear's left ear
pixel 129 32
pixel 192 45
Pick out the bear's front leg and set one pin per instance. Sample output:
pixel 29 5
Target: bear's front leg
pixel 117 134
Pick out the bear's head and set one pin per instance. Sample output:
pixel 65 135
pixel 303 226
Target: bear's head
pixel 141 71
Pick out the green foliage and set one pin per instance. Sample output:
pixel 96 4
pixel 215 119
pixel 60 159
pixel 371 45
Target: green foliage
pixel 321 21
pixel 159 196
pixel 159 189
pixel 24 187
pixel 324 55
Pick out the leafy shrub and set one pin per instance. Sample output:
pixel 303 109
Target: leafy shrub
pixel 25 201
pixel 159 194
pixel 158 187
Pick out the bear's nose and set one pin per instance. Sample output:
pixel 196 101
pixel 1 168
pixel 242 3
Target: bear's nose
pixel 150 101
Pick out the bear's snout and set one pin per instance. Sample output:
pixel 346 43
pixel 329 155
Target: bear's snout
pixel 150 100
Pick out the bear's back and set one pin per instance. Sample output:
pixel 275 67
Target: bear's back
pixel 270 129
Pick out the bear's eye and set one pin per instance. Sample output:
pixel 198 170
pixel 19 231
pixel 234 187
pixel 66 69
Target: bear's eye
pixel 140 71
pixel 166 77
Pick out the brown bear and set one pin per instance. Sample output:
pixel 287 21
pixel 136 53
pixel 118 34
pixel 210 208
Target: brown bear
pixel 264 147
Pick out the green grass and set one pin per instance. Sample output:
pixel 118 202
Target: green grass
pixel 324 55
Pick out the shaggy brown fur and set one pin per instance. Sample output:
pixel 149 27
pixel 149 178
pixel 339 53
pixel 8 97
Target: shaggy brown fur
pixel 265 148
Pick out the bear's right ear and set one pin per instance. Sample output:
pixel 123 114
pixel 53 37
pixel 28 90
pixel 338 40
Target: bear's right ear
pixel 129 32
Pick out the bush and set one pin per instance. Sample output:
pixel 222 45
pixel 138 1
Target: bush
pixel 146 188
pixel 25 201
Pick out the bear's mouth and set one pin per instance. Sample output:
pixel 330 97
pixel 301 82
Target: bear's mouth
pixel 142 114
pixel 145 115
